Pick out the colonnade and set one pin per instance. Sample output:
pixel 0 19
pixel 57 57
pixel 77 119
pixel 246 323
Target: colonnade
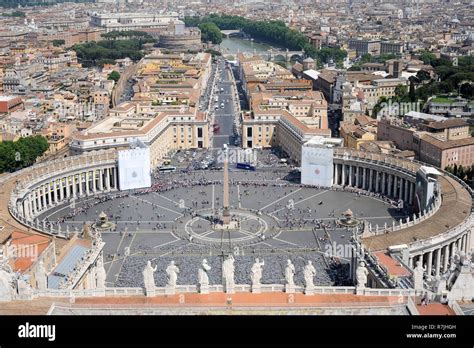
pixel 436 260
pixel 374 180
pixel 66 186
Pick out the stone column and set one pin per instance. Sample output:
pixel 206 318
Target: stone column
pixel 395 186
pixel 74 187
pixel 446 257
pixel 107 179
pixel 357 177
pixel 437 261
pixel 23 209
pixel 55 187
pixel 30 205
pixel 101 180
pixel 350 174
pixel 34 202
pixel 80 184
pixel 50 196
pixel 364 178
pixel 371 179
pixel 87 183
pixel 429 263
pixel 43 196
pixel 384 178
pixel 451 252
pixel 343 183
pixel 68 188
pixel 61 189
pixel 336 174
pixel 94 184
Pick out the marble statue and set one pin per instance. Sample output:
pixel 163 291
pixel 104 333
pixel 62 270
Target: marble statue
pixel 24 288
pixel 172 271
pixel 309 272
pixel 228 269
pixel 41 277
pixel 6 279
pixel 256 270
pixel 203 278
pixel 6 289
pixel 289 273
pixel 100 274
pixel 148 278
pixel 418 275
pixel 361 275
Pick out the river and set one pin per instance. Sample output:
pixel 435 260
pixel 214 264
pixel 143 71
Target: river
pixel 233 45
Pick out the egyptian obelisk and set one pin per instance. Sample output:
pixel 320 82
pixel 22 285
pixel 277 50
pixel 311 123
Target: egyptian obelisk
pixel 225 212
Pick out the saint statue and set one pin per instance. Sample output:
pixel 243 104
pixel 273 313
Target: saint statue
pixel 361 275
pixel 203 278
pixel 40 276
pixel 256 270
pixel 289 273
pixel 228 271
pixel 148 278
pixel 309 272
pixel 172 271
pixel 100 274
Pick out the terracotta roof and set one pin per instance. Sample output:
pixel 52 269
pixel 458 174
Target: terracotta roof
pixel 450 123
pixel 21 239
pixel 393 267
pixel 449 144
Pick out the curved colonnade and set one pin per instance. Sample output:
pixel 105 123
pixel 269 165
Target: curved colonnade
pixel 431 236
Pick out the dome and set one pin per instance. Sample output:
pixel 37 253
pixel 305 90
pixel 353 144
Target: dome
pixel 308 60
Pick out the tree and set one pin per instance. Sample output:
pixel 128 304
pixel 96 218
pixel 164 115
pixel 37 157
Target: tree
pixel 114 75
pixel 400 91
pixel 57 43
pixel 22 153
pixel 210 32
pixel 423 75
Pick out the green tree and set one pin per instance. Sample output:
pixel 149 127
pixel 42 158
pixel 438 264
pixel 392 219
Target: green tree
pixel 114 75
pixel 210 32
pixel 22 153
pixel 57 43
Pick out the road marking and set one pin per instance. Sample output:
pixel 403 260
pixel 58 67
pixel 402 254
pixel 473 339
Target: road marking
pixel 125 256
pixel 213 189
pixel 115 255
pixel 281 198
pixel 159 206
pixel 301 201
pixel 177 203
pixel 173 241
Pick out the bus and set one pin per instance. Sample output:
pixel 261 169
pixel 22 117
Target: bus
pixel 246 166
pixel 167 169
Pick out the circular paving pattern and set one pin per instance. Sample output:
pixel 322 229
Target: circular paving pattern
pixel 246 227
